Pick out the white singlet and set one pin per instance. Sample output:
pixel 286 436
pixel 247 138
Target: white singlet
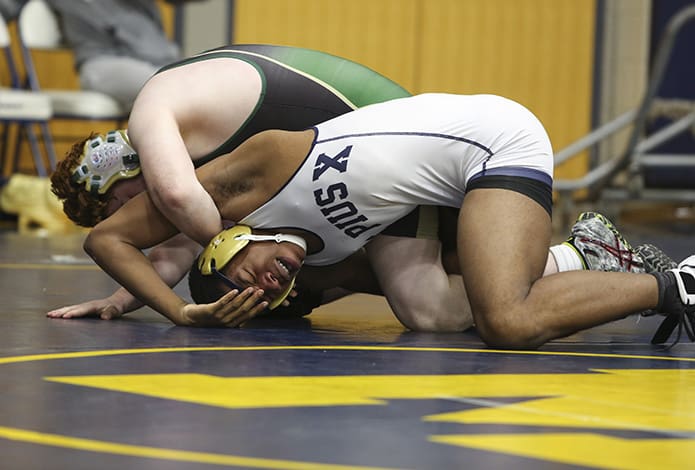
pixel 370 167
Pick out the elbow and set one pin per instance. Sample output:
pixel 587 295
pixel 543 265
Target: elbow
pixel 96 244
pixel 170 199
pixel 92 242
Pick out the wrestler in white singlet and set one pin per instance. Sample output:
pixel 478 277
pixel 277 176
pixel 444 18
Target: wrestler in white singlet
pixel 370 167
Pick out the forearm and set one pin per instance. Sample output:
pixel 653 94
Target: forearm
pixel 169 171
pixel 191 210
pixel 128 266
pixel 171 260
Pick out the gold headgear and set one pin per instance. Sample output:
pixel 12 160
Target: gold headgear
pixel 228 243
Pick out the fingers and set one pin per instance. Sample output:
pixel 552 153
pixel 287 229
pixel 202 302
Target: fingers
pixel 286 302
pixel 87 309
pixel 242 307
pixel 71 311
pixel 235 321
pixel 231 310
pixel 57 313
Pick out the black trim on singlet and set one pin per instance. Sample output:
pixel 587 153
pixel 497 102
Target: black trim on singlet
pixel 290 102
pixel 422 222
pixel 539 191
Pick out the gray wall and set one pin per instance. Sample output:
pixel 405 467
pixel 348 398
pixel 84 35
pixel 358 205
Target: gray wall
pixel 206 24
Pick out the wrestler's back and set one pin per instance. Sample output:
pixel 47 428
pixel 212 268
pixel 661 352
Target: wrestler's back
pixel 370 167
pixel 198 98
pixel 221 97
pixel 424 149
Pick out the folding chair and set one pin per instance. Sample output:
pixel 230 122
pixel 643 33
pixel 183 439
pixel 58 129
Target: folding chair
pixel 21 108
pixel 39 30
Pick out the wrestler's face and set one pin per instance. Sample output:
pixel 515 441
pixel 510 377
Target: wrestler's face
pixel 266 265
pixel 122 191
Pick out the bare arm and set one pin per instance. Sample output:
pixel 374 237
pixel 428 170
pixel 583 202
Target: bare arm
pixel 171 260
pixel 421 294
pixel 115 245
pixel 170 172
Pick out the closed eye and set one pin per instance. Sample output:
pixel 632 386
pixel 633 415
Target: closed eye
pixel 251 276
pixel 246 279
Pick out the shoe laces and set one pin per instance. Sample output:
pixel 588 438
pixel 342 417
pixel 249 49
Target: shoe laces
pixel 684 321
pixel 627 258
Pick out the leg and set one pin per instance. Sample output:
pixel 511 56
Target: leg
pixel 594 244
pixel 421 294
pixel 504 237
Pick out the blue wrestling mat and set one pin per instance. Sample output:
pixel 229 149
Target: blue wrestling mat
pixel 344 388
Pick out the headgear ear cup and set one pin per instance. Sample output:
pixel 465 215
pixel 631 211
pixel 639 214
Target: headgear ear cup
pixel 223 248
pixel 106 159
pixel 230 242
pixel 281 298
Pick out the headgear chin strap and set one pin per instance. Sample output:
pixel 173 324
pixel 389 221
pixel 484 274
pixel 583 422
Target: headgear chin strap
pixel 228 243
pixel 105 161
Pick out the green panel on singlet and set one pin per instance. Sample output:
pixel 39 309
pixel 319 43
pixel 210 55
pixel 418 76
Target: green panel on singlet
pixel 360 85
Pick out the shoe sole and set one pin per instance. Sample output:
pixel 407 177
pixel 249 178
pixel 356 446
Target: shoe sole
pixel 654 258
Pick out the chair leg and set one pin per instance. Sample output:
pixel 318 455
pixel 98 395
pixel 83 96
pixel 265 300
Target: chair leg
pixel 47 138
pixel 28 131
pixel 4 151
pixel 17 148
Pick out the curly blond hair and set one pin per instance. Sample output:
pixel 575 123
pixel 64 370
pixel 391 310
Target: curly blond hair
pixel 80 205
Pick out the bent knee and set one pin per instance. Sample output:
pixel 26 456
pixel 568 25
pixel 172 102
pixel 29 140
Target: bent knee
pixel 434 322
pixel 508 330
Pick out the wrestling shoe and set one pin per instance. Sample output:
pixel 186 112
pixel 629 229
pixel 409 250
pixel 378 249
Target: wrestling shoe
pixel 655 259
pixel 601 246
pixel 677 302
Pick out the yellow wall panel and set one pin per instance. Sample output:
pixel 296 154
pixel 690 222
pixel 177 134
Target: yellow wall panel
pixel 381 34
pixel 538 52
